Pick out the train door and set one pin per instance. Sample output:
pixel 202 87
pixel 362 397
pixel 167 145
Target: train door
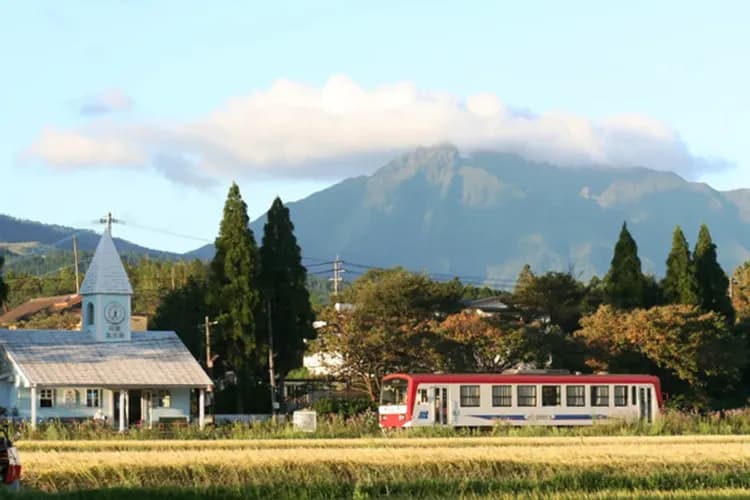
pixel 644 403
pixel 440 405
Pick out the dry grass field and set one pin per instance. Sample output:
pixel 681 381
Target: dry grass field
pixel 489 467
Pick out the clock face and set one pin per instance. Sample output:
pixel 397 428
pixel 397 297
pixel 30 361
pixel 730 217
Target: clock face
pixel 114 313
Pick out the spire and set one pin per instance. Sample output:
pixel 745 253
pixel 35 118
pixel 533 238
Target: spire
pixel 106 273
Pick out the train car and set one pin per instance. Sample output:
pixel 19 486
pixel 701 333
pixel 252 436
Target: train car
pixel 537 397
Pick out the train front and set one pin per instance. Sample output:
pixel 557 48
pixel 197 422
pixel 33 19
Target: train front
pixel 394 409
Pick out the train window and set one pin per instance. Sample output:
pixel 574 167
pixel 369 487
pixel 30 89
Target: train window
pixel 599 395
pixel 621 395
pixel 633 399
pixel 526 395
pixel 550 395
pixel 469 395
pixel 394 392
pixel 501 395
pixel 575 395
pixel 422 395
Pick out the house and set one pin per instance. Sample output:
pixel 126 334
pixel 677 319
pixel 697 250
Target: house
pixel 105 370
pixel 490 306
pixel 57 304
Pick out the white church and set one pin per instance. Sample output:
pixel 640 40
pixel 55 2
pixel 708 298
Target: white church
pixel 104 371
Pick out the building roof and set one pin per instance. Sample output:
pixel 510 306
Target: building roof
pixel 106 273
pixel 488 304
pixel 71 358
pixel 33 306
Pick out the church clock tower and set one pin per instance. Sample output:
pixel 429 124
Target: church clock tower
pixel 106 293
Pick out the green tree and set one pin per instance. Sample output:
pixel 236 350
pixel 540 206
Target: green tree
pixel 283 281
pixel 712 282
pixel 3 286
pixel 183 310
pixel 625 286
pixel 389 324
pixel 679 285
pixel 233 293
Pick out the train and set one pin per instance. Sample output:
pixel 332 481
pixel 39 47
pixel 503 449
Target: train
pixel 517 397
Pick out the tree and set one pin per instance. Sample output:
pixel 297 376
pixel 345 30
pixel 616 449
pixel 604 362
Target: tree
pixel 233 292
pixel 693 351
pixel 283 281
pixel 3 286
pixel 680 286
pixel 492 345
pixel 183 310
pixel 741 291
pixel 625 286
pixel 391 326
pixel 712 282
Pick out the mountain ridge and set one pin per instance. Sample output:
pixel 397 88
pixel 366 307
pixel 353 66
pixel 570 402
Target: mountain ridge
pixel 486 214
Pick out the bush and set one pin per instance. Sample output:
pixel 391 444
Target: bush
pixel 344 407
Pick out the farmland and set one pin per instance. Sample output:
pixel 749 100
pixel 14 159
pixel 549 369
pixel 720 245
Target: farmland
pixel 473 467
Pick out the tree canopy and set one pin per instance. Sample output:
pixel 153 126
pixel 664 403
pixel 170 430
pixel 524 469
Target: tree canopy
pixel 625 286
pixel 712 282
pixel 233 292
pixel 679 286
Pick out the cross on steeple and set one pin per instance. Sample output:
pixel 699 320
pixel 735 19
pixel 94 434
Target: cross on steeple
pixel 109 220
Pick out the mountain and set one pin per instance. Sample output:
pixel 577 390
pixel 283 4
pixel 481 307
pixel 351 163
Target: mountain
pixel 20 237
pixel 483 216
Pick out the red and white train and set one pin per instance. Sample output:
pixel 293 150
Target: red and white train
pixel 535 397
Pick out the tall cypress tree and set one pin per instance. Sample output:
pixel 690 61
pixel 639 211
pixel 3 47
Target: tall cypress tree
pixel 679 285
pixel 710 277
pixel 233 291
pixel 625 285
pixel 283 282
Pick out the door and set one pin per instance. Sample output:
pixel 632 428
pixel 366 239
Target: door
pixel 644 403
pixel 134 407
pixel 440 402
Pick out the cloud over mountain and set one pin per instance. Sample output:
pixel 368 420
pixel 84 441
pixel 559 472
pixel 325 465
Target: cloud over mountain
pixel 293 129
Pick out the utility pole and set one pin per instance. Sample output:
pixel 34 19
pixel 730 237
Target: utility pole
pixel 172 276
pixel 209 360
pixel 271 373
pixel 337 271
pixel 75 259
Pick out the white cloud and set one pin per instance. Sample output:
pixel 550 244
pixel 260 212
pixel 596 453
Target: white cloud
pixel 108 101
pixel 344 129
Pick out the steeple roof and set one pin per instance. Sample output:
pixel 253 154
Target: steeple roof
pixel 106 273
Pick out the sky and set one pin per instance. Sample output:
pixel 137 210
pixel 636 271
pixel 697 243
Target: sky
pixel 150 110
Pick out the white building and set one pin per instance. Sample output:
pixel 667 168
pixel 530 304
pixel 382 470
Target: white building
pixel 104 369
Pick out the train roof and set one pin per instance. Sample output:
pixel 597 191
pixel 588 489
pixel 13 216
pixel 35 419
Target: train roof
pixel 523 377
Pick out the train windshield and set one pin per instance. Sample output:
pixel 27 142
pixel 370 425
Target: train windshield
pixel 394 392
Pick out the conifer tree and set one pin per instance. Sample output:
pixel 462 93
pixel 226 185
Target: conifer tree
pixel 711 280
pixel 3 286
pixel 283 281
pixel 625 286
pixel 233 291
pixel 679 285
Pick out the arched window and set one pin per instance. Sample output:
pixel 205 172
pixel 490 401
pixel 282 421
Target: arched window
pixel 90 314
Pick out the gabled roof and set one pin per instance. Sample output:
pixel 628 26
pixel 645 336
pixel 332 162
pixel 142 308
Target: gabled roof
pixel 106 273
pixel 71 358
pixel 489 304
pixel 33 306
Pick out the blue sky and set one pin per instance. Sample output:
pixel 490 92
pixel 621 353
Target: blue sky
pixel 151 109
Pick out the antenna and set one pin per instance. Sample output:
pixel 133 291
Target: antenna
pixel 108 220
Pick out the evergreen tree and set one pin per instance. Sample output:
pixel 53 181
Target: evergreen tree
pixel 283 281
pixel 625 286
pixel 3 286
pixel 711 281
pixel 679 285
pixel 233 292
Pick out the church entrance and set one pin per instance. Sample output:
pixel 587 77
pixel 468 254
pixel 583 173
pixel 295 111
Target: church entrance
pixel 134 407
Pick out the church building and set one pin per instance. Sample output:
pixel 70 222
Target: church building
pixel 105 371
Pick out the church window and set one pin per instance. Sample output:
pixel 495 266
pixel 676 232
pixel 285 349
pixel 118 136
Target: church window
pixel 165 399
pixel 90 314
pixel 46 398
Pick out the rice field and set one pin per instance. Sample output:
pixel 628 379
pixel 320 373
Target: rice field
pixel 457 467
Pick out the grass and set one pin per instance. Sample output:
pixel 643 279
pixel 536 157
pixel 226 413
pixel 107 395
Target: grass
pixel 471 467
pixel 366 425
